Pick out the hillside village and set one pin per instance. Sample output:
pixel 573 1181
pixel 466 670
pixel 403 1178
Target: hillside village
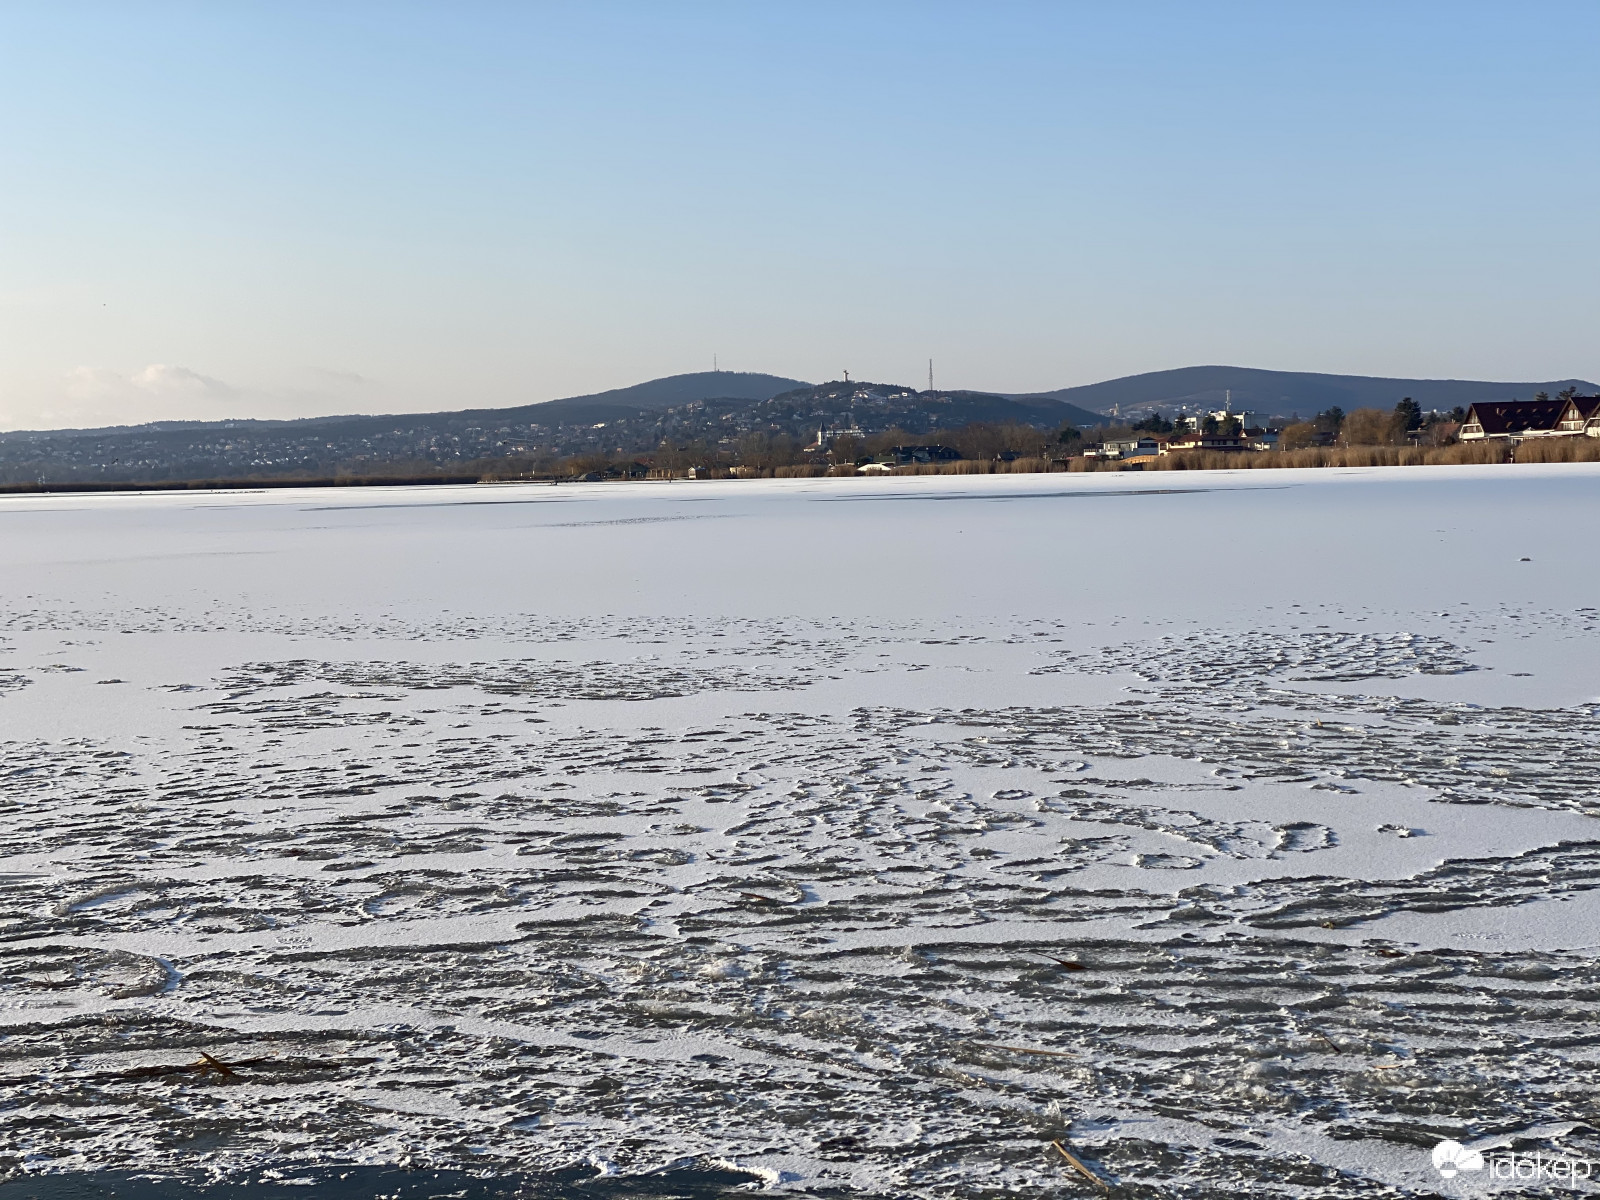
pixel 1224 431
pixel 1154 441
pixel 666 429
pixel 595 433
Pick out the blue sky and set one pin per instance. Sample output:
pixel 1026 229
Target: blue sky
pixel 274 209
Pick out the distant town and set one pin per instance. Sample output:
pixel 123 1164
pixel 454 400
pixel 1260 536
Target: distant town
pixel 663 430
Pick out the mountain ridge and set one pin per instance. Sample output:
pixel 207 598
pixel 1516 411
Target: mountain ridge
pixel 709 409
pixel 1254 389
pixel 1282 393
pixel 647 396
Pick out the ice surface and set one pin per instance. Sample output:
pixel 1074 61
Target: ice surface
pixel 1233 827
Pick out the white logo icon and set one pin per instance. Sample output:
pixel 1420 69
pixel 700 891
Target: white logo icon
pixel 1450 1157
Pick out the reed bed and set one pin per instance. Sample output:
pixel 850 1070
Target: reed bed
pixel 1535 450
pixel 1538 450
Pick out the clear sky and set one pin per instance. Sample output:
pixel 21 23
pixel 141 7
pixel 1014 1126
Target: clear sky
pixel 226 208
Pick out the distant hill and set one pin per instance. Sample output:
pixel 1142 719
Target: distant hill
pixel 630 419
pixel 1279 393
pixel 713 408
pixel 716 409
pixel 878 406
pixel 653 395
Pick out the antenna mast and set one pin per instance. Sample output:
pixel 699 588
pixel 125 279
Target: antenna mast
pixel 930 374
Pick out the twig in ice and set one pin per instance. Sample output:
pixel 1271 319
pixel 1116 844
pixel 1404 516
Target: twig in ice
pixel 1078 1166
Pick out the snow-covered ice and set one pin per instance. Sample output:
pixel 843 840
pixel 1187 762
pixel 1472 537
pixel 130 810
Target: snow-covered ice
pixel 1232 827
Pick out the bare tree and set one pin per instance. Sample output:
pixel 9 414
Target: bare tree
pixel 765 451
pixel 845 450
pixel 1371 427
pixel 1297 436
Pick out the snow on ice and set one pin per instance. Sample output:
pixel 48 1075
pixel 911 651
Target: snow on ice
pixel 1232 828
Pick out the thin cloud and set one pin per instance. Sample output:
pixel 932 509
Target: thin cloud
pixel 162 380
pixel 158 381
pixel 347 378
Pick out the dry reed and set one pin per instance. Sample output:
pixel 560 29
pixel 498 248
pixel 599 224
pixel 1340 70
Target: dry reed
pixel 1559 449
pixel 1535 450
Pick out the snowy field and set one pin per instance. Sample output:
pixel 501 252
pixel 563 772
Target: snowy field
pixel 1232 828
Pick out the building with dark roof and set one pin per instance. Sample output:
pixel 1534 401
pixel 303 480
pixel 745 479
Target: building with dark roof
pixel 1581 415
pixel 1224 442
pixel 1514 419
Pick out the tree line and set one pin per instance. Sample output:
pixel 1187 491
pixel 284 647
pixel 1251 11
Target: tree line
pixel 780 453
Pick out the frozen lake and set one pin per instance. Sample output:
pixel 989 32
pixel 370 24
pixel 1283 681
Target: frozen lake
pixel 1232 827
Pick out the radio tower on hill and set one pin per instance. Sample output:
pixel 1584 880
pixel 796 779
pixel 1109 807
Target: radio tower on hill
pixel 930 374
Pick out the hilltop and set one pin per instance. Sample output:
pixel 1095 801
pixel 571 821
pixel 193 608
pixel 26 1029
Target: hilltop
pixel 875 407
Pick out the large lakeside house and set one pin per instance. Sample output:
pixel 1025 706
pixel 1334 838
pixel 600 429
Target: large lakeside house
pixel 1517 420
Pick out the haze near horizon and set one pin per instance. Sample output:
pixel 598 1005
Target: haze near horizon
pixel 294 210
